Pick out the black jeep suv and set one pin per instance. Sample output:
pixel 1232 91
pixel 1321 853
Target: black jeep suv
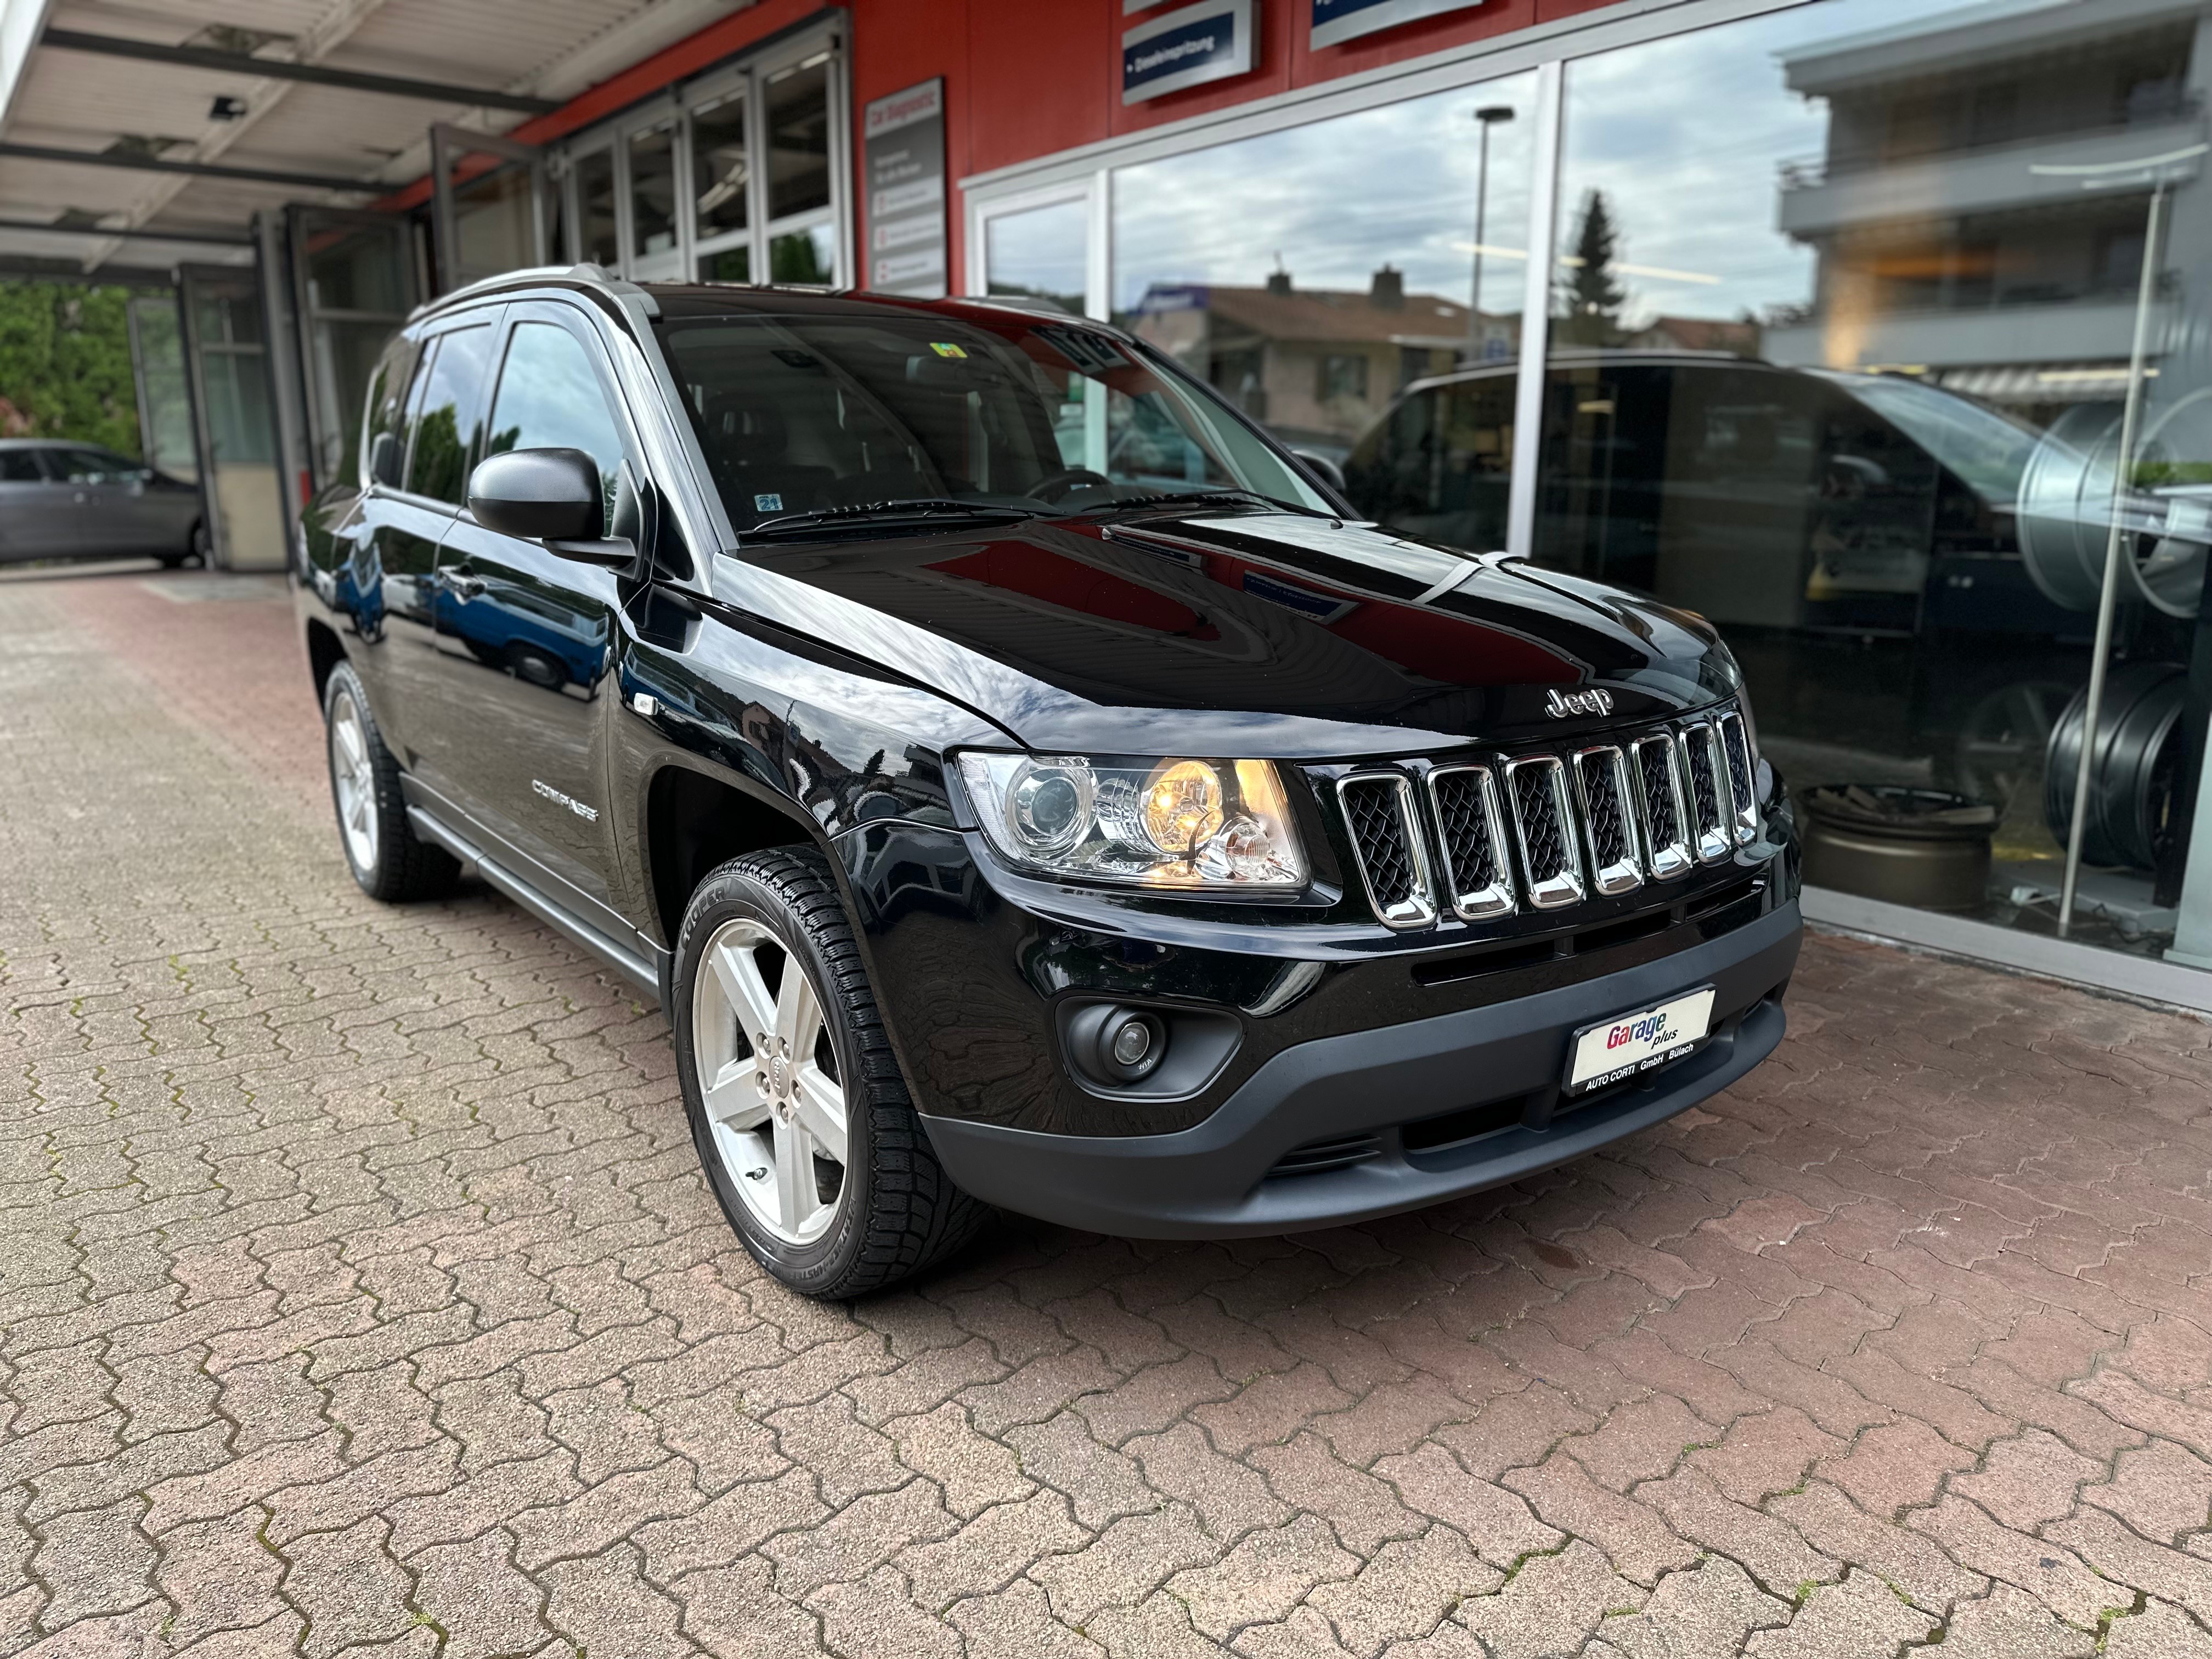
pixel 1022 781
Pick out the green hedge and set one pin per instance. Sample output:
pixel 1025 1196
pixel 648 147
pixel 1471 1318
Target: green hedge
pixel 65 364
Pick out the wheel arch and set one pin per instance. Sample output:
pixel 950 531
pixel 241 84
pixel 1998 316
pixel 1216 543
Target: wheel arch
pixel 324 653
pixel 696 820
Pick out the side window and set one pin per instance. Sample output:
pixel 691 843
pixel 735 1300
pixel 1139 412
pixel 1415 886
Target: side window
pixel 95 467
pixel 550 398
pixel 21 467
pixel 438 466
pixel 386 410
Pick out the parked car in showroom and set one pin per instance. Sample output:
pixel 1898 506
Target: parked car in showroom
pixel 1162 855
pixel 65 501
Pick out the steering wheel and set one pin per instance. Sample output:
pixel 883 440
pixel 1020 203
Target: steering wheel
pixel 1051 489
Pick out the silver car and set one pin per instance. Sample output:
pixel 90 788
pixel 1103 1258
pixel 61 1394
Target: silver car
pixel 60 501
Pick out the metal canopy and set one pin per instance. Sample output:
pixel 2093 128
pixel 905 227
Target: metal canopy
pixel 282 68
pixel 117 117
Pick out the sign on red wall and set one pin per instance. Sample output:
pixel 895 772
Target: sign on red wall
pixel 903 136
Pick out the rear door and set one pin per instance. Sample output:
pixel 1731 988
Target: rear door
pixel 38 507
pixel 526 634
pixel 116 512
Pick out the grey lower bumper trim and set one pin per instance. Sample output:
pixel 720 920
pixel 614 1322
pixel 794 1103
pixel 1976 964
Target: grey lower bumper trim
pixel 1211 1180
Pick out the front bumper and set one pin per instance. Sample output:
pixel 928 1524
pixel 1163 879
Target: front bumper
pixel 1219 1177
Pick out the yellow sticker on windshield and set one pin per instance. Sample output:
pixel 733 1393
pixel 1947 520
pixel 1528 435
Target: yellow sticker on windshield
pixel 947 349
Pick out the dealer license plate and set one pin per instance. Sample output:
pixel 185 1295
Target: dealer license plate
pixel 1616 1049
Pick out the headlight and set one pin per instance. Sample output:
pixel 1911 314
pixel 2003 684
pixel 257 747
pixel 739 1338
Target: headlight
pixel 1174 822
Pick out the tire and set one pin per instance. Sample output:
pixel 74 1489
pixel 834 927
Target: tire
pixel 201 545
pixel 389 860
pixel 887 1210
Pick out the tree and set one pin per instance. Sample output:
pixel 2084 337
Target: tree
pixel 65 364
pixel 1591 299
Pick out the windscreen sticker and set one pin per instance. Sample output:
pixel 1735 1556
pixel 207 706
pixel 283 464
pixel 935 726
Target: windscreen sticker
pixel 947 349
pixel 767 503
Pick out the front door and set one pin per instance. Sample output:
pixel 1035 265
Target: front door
pixel 402 521
pixel 527 635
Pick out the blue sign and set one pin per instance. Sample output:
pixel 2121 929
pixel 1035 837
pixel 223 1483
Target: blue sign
pixel 1335 21
pixel 1187 48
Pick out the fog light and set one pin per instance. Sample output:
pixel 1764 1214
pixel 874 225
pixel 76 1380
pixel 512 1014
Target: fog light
pixel 1117 1045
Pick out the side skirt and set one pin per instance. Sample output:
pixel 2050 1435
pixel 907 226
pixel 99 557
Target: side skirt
pixel 644 964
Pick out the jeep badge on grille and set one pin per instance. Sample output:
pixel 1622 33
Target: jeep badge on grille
pixel 1560 704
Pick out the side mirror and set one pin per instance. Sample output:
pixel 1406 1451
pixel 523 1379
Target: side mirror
pixel 1323 468
pixel 386 459
pixel 552 496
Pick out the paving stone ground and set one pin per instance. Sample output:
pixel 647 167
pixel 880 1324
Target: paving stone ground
pixel 359 1293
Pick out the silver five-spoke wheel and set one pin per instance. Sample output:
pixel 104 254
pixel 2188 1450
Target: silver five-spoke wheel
pixel 354 774
pixel 767 1072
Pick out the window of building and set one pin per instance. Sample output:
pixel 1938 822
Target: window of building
pixel 739 176
pixel 1342 375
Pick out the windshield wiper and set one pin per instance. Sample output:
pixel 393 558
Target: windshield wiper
pixel 914 507
pixel 1211 497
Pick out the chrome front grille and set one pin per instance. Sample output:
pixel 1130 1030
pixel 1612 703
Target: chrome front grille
pixel 1548 831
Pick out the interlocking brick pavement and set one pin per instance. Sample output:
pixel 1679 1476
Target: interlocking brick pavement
pixel 358 1294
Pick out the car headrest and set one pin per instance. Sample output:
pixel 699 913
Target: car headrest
pixel 742 430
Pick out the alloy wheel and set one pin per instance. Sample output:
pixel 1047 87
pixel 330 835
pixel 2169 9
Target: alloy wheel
pixel 767 1072
pixel 354 774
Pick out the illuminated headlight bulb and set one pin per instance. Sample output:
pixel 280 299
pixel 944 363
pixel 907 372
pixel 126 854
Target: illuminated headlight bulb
pixel 1184 807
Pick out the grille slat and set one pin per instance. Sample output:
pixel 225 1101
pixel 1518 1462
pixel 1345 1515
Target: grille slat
pixel 1551 860
pixel 1477 867
pixel 1709 803
pixel 1665 814
pixel 1378 810
pixel 1735 746
pixel 1602 789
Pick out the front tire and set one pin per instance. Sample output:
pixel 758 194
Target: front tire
pixel 389 860
pixel 801 1118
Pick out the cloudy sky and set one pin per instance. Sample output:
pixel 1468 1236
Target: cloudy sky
pixel 1685 136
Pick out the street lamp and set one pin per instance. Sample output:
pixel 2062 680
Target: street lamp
pixel 1486 118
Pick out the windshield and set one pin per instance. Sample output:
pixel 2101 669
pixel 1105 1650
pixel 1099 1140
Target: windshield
pixel 810 415
pixel 1983 447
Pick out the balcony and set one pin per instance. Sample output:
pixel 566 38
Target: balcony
pixel 1819 201
pixel 2083 332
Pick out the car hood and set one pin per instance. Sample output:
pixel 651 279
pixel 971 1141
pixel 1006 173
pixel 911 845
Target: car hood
pixel 1257 634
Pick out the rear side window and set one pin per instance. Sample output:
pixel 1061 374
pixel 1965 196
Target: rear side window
pixel 386 410
pixel 438 466
pixel 550 398
pixel 21 467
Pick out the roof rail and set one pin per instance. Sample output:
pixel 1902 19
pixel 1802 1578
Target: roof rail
pixel 584 271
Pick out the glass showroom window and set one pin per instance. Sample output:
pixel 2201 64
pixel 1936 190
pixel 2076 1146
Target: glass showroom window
pixel 739 178
pixel 1847 373
pixel 1313 273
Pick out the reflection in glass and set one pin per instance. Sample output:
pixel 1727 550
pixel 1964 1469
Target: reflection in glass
pixel 595 209
pixel 1309 275
pixel 720 174
pixel 1040 254
pixel 807 258
pixel 729 265
pixel 495 223
pixel 439 464
pixel 550 398
pixel 1846 374
pixel 798 137
pixel 652 191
